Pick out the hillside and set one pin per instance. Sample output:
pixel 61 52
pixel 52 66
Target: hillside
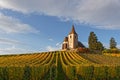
pixel 59 65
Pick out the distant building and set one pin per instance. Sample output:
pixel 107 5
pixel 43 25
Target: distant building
pixel 71 41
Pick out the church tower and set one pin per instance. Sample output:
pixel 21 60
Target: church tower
pixel 73 39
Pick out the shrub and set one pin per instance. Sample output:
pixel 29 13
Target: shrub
pixel 111 51
pixel 83 50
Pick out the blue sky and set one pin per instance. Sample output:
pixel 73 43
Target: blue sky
pixel 41 25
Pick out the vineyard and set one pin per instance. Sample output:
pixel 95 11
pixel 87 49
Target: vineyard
pixel 59 65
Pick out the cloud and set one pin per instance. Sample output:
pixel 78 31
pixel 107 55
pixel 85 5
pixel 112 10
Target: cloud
pixel 11 25
pixel 50 39
pixel 10 41
pixel 11 50
pixel 8 46
pixel 16 50
pixel 102 14
pixel 54 48
pixel 51 48
pixel 59 44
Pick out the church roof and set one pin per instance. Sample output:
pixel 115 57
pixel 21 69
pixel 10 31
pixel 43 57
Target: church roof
pixel 80 44
pixel 73 30
pixel 65 39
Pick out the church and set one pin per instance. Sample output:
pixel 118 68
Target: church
pixel 71 41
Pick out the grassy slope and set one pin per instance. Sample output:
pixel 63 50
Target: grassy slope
pixel 95 58
pixel 56 72
pixel 102 59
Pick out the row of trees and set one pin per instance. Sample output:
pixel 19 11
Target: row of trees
pixel 96 45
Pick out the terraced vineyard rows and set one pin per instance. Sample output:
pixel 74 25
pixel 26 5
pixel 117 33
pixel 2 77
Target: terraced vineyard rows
pixel 102 59
pixel 59 65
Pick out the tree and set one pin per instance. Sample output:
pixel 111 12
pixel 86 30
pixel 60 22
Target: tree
pixel 93 42
pixel 100 46
pixel 113 43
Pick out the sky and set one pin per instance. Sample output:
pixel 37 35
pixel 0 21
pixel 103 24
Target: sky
pixel 28 26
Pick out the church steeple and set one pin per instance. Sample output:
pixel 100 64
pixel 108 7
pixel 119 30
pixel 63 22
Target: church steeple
pixel 73 30
pixel 71 41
